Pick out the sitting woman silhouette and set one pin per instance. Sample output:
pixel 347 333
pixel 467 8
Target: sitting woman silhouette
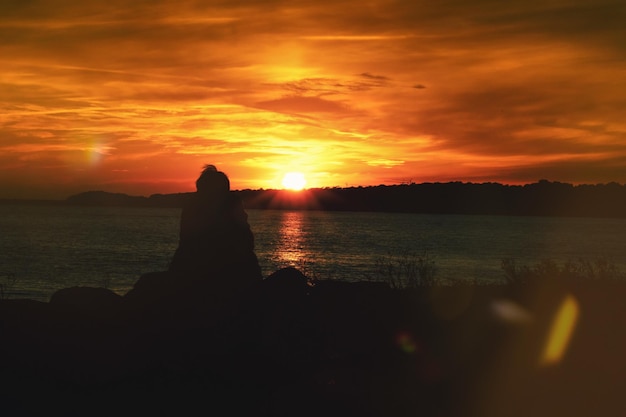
pixel 216 243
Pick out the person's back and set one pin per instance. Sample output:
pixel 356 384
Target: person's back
pixel 216 243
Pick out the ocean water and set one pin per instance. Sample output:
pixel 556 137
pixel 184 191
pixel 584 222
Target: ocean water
pixel 45 248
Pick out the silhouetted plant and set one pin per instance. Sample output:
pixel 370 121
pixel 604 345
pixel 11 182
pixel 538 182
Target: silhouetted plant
pixel 406 270
pixel 580 269
pixel 307 268
pixel 513 273
pixel 106 282
pixel 6 285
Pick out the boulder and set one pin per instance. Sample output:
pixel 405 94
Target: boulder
pixel 86 300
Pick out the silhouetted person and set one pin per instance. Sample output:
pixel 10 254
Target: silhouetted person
pixel 216 244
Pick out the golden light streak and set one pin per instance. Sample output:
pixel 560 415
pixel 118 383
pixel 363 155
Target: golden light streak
pixel 82 23
pixel 387 163
pixel 354 37
pixel 561 331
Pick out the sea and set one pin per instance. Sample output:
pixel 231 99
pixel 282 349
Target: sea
pixel 46 248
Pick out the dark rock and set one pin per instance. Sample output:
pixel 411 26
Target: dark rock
pixel 287 283
pixel 287 347
pixel 86 300
pixel 152 287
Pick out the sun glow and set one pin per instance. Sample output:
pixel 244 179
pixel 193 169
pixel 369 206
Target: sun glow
pixel 294 181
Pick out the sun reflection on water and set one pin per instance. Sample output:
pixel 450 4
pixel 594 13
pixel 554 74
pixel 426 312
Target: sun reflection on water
pixel 291 248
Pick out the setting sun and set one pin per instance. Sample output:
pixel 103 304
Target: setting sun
pixel 294 181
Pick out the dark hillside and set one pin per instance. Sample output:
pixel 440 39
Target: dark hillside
pixel 538 199
pixel 543 198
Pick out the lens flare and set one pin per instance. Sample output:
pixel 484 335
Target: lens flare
pixel 561 331
pixel 406 342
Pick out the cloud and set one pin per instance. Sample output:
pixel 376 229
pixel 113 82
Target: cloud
pixel 521 86
pixel 332 86
pixel 378 78
pixel 387 163
pixel 299 104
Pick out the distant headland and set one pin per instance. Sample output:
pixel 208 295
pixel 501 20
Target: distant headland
pixel 543 198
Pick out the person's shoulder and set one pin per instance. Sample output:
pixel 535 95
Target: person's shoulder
pixel 190 200
pixel 233 199
pixel 235 208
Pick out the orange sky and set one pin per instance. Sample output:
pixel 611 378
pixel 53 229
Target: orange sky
pixel 135 97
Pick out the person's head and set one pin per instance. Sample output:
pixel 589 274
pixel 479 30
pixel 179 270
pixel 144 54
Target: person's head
pixel 212 181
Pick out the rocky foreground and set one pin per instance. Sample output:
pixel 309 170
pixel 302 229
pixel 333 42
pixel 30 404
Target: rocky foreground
pixel 290 348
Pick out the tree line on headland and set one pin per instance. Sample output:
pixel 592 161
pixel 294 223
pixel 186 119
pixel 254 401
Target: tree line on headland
pixel 543 198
